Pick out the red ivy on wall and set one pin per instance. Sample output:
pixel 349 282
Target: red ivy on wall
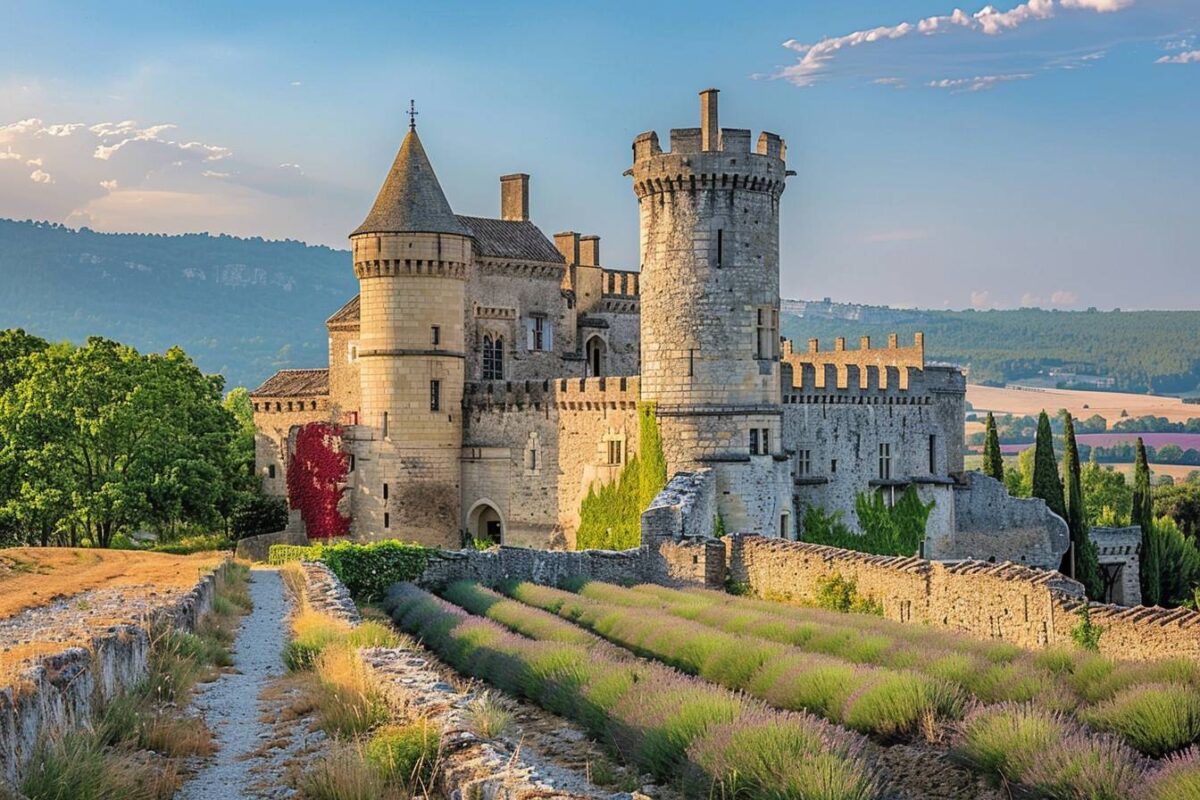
pixel 315 479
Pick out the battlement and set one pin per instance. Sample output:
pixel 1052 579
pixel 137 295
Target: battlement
pixel 620 283
pixel 812 369
pixel 565 393
pixel 708 157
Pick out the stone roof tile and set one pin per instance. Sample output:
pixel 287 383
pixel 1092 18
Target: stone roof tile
pixel 501 238
pixel 411 199
pixel 295 383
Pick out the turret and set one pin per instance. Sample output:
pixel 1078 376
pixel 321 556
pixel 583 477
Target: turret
pixel 411 256
pixel 709 209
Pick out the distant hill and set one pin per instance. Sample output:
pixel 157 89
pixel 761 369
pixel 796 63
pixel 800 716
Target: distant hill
pixel 246 307
pixel 1136 351
pixel 241 307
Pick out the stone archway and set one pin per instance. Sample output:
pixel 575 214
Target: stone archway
pixel 485 523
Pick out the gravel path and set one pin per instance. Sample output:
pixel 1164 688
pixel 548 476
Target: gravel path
pixel 230 703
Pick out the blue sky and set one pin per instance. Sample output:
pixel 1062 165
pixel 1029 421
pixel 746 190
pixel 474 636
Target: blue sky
pixel 1038 153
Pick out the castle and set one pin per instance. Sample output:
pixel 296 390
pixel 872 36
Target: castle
pixel 486 376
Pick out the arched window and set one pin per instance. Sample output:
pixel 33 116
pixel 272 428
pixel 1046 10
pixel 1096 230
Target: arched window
pixel 493 358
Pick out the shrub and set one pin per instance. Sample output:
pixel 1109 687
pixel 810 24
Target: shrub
pixel 836 593
pixel 1084 768
pixel 345 774
pixel 490 715
pixel 1007 739
pixel 1086 634
pixel 1177 779
pixel 897 703
pixel 78 766
pixel 406 753
pixel 1156 719
pixel 367 570
pixel 347 703
pixel 200 543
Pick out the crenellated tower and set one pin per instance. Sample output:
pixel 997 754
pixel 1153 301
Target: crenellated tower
pixel 709 211
pixel 411 257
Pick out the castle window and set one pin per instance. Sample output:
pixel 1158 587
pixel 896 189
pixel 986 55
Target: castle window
pixel 720 247
pixel 932 454
pixel 691 363
pixel 766 442
pixel 885 461
pixel 615 452
pixel 493 358
pixel 352 352
pixel 289 405
pixel 313 405
pixel 539 334
pixel 385 491
pixel 278 406
pixel 803 463
pixel 271 471
pixel 350 464
pixel 435 395
pixel 387 520
pixel 754 441
pixel 833 466
pixel 435 335
pixel 385 425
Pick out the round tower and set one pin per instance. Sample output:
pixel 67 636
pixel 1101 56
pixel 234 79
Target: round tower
pixel 411 256
pixel 709 210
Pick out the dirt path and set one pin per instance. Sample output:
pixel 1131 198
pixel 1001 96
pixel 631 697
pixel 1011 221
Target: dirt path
pixel 230 704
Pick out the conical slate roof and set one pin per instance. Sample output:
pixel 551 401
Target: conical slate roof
pixel 411 200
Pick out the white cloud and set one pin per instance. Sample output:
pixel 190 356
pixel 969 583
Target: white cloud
pixel 1190 57
pixel 979 83
pixel 33 162
pixel 38 176
pixel 1064 298
pixel 981 299
pixel 109 185
pixel 1030 300
pixel 815 59
pixel 892 81
pixel 1179 44
pixel 9 155
pixel 297 83
pixel 1099 6
pixel 208 173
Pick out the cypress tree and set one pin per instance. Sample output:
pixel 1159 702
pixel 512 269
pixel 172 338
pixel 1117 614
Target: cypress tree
pixel 1087 559
pixel 993 463
pixel 1142 515
pixel 1046 483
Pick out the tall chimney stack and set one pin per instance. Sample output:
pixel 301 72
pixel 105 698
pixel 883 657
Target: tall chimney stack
pixel 710 129
pixel 567 243
pixel 589 251
pixel 514 197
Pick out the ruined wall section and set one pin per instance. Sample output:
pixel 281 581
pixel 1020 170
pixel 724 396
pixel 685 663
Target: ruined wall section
pixel 275 417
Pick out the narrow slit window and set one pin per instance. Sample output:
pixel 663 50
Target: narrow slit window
pixel 720 247
pixel 385 425
pixel 435 395
pixel 435 335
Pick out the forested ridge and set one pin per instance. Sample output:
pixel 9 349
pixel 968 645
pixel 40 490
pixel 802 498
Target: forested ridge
pixel 241 307
pixel 1142 351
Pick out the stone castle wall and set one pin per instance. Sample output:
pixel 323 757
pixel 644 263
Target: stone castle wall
pixel 1028 607
pixel 274 419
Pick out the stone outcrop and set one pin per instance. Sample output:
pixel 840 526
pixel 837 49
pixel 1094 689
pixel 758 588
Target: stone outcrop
pixel 63 691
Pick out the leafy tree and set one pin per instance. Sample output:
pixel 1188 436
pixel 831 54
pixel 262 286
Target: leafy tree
pixel 1107 496
pixel 1179 564
pixel 1086 557
pixel 1142 515
pixel 1046 483
pixel 106 439
pixel 993 462
pixel 257 514
pixel 1181 503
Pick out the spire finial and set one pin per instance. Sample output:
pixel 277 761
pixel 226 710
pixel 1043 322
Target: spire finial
pixel 412 115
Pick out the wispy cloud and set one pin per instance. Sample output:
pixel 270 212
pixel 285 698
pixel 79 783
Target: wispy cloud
pixel 40 176
pixel 815 59
pixel 1189 57
pixel 1064 298
pixel 979 83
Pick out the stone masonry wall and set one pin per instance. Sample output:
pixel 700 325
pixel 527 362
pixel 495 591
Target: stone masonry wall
pixel 991 525
pixel 63 691
pixel 1028 607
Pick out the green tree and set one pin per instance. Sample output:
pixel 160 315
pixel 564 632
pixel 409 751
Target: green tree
pixel 1179 563
pixel 108 439
pixel 993 462
pixel 1142 515
pixel 1107 496
pixel 1181 503
pixel 1046 483
pixel 1086 557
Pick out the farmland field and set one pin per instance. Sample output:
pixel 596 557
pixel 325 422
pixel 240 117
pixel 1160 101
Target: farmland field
pixel 1185 441
pixel 1029 402
pixel 741 697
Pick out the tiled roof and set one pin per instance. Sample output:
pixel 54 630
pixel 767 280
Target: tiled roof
pixel 346 314
pixel 501 238
pixel 411 199
pixel 295 383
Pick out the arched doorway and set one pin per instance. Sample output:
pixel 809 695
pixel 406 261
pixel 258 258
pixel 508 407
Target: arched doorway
pixel 485 523
pixel 595 350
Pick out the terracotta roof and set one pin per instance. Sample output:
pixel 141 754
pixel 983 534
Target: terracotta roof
pixel 411 199
pixel 295 383
pixel 501 238
pixel 347 314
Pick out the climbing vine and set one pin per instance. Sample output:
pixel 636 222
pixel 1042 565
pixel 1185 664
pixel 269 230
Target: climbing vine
pixel 611 515
pixel 315 480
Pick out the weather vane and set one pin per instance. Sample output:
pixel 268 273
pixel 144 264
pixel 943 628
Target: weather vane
pixel 412 115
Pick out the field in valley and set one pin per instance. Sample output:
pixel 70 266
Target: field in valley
pixel 1029 402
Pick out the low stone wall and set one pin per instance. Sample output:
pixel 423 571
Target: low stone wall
pixel 686 507
pixel 63 691
pixel 1028 607
pixel 324 592
pixel 549 567
pixel 255 548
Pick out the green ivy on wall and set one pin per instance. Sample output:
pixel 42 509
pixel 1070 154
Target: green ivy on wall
pixel 611 515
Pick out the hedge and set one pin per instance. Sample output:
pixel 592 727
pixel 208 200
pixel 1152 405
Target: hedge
pixel 367 570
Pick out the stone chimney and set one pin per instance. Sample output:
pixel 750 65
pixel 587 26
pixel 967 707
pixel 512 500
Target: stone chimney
pixel 710 129
pixel 568 244
pixel 514 197
pixel 589 251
